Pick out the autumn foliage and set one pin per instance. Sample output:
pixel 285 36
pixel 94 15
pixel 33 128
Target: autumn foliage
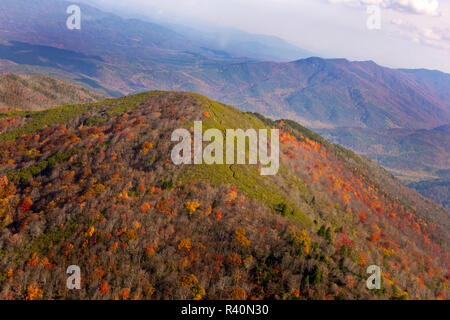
pixel 99 190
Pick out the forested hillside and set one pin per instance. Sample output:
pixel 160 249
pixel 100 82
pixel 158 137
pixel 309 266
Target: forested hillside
pixel 93 185
pixel 389 115
pixel 26 92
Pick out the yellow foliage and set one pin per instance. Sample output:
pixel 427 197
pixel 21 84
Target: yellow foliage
pixel 400 294
pixel 387 252
pixel 198 292
pixel 124 195
pixel 185 243
pixel 146 147
pixel 189 280
pixel 192 206
pixel 90 232
pixel 98 188
pixel 241 238
pixel 301 239
pixel 32 153
pixel 131 234
pixel 232 195
pixel 248 261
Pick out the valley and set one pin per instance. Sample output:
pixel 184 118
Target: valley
pixel 162 161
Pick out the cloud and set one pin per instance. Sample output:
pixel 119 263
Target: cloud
pixel 424 7
pixel 437 37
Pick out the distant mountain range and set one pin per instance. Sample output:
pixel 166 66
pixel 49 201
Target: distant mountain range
pixel 358 104
pixel 333 93
pixel 226 41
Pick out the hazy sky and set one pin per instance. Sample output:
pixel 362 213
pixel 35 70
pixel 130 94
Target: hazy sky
pixel 412 34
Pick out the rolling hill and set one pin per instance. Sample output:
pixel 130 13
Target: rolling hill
pixel 128 55
pixel 109 53
pixel 26 92
pixel 93 185
pixel 355 104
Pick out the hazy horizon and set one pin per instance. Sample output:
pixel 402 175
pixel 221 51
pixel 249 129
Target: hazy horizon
pixel 412 34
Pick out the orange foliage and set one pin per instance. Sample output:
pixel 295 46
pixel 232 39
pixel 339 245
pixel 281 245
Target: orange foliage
pixel 375 237
pixel 146 147
pixel 104 289
pixel 125 293
pixel 234 259
pixel 145 207
pixel 34 293
pixel 185 244
pixel 238 294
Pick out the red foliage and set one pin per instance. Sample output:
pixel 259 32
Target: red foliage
pixel 26 204
pixel 104 289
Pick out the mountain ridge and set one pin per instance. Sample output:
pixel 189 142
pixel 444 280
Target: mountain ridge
pixel 116 56
pixel 93 185
pixel 26 92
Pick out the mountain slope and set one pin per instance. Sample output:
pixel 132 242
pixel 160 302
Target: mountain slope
pixel 93 185
pixel 27 92
pixel 415 156
pixel 437 190
pixel 332 93
pixel 116 56
pixel 131 56
pixel 412 153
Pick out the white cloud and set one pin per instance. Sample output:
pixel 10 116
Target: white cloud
pixel 437 37
pixel 425 7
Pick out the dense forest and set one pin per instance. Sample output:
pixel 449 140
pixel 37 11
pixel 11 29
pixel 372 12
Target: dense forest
pixel 93 185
